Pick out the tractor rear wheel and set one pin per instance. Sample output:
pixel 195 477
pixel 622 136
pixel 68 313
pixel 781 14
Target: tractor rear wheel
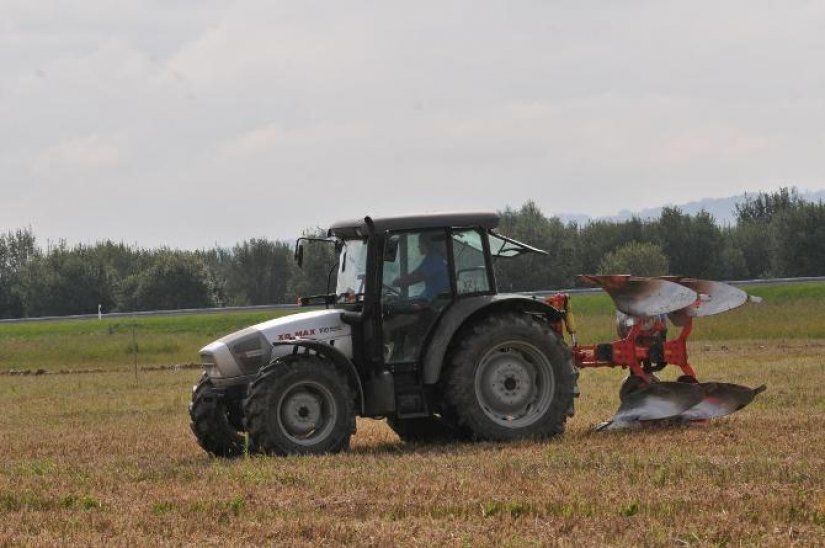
pixel 300 405
pixel 422 429
pixel 510 377
pixel 215 421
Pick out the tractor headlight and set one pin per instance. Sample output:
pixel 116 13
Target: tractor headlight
pixel 218 361
pixel 209 364
pixel 251 350
pixel 207 360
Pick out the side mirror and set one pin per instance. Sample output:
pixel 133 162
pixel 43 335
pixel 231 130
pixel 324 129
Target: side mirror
pixel 299 255
pixel 391 249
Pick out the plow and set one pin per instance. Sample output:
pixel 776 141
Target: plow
pixel 645 307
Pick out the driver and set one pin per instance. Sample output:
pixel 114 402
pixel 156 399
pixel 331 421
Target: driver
pixel 432 270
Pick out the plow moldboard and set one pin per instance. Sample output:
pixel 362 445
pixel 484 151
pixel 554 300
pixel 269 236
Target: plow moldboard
pixel 644 297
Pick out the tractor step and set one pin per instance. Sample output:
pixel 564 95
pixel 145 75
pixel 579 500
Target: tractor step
pixel 411 404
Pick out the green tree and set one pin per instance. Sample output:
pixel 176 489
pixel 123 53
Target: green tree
pixel 754 235
pixel 17 249
pixel 65 281
pixel 761 208
pixel 174 280
pixel 732 263
pixel 799 235
pixel 693 244
pixel 256 271
pixel 636 258
pixel 598 238
pixel 536 272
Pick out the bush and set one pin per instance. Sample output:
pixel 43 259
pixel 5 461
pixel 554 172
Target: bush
pixel 175 280
pixel 637 258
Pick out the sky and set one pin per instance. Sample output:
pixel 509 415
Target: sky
pixel 194 123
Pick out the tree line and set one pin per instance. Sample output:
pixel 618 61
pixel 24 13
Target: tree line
pixel 775 234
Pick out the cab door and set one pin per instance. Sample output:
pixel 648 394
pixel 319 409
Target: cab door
pixel 416 285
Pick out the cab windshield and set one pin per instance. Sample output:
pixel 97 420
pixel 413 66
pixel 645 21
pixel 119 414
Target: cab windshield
pixel 352 272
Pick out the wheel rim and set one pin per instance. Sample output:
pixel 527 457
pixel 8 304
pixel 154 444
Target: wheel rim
pixel 307 413
pixel 514 384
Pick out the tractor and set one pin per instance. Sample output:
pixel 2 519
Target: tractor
pixel 416 333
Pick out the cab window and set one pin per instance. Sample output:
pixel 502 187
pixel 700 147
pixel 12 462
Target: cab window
pixel 352 268
pixel 415 266
pixel 470 267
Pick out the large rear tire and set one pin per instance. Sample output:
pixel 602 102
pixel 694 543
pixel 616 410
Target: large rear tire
pixel 215 421
pixel 510 377
pixel 300 405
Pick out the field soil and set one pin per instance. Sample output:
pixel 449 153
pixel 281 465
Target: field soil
pixel 108 457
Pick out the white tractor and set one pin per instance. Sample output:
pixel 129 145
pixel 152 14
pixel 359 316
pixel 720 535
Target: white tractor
pixel 414 331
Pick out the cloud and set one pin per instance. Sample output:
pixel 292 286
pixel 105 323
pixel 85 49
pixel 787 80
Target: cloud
pixel 396 107
pixel 82 154
pixel 258 141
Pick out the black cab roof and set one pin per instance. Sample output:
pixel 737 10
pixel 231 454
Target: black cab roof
pixel 500 245
pixel 361 227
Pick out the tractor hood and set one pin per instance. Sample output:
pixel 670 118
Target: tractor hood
pixel 242 353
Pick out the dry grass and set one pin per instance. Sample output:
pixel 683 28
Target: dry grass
pixel 106 458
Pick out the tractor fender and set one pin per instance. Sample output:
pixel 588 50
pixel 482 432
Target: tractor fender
pixel 338 359
pixel 464 311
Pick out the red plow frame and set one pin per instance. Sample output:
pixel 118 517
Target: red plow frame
pixel 644 307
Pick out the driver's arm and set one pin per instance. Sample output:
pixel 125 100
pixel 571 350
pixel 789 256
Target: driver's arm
pixel 412 278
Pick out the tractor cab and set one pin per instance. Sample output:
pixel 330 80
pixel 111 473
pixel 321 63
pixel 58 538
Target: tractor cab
pixel 421 258
pixel 403 273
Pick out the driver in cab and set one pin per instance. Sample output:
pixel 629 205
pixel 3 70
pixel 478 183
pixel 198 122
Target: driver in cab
pixel 432 270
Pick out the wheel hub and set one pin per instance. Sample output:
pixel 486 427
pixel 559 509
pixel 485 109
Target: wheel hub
pixel 508 382
pixel 514 384
pixel 301 413
pixel 306 413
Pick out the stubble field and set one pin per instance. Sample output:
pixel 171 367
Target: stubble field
pixel 106 456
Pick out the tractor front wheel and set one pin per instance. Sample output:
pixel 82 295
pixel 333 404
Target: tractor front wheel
pixel 215 421
pixel 300 405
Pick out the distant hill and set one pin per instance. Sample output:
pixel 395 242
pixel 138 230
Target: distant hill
pixel 722 209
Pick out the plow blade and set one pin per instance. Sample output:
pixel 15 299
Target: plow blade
pixel 645 297
pixel 680 298
pixel 672 403
pixel 656 401
pixel 721 398
pixel 713 298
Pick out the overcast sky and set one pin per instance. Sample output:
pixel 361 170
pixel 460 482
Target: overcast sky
pixel 194 122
